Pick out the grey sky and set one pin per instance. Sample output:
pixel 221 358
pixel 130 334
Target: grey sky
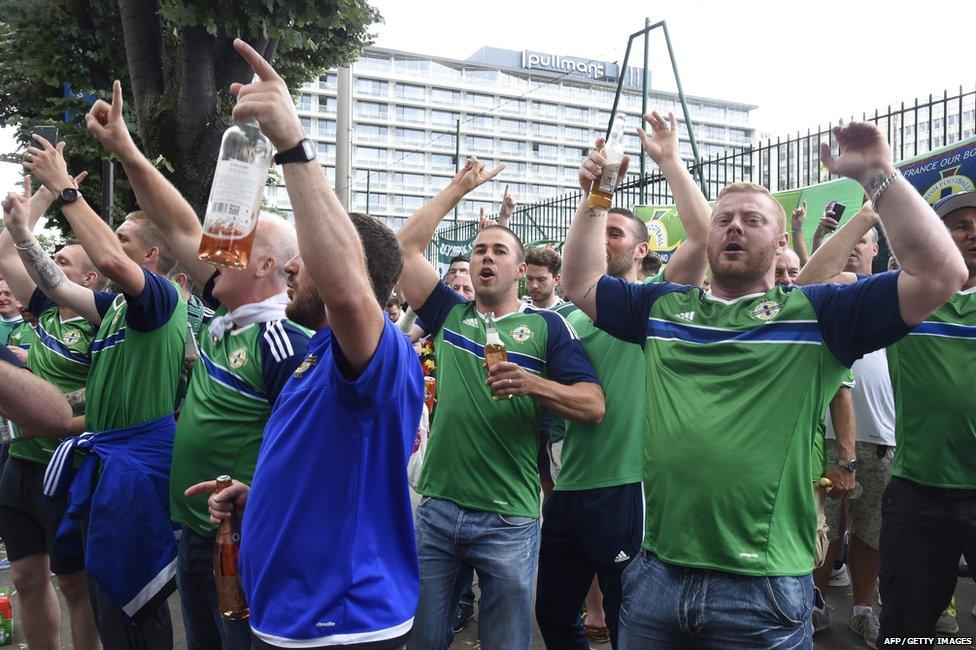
pixel 802 63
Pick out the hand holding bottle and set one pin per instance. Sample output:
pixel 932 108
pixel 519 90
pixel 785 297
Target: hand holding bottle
pixel 266 99
pixel 223 504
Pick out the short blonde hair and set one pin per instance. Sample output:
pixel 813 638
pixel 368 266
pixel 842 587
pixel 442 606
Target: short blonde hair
pixel 755 188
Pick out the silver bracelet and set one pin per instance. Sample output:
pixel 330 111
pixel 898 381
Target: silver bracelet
pixel 884 186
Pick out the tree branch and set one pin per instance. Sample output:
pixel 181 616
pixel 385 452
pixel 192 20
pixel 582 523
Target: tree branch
pixel 142 32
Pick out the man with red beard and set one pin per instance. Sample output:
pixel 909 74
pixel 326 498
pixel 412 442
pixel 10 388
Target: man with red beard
pixel 730 517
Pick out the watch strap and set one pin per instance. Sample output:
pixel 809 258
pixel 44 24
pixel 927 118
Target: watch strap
pixel 304 151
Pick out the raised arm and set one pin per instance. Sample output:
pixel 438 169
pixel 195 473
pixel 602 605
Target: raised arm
pixel 507 210
pixel 932 267
pixel 827 263
pixel 34 266
pixel 826 225
pixel 689 262
pixel 103 247
pixel 799 241
pixel 419 278
pixel 11 266
pixel 158 199
pixel 585 253
pixel 327 239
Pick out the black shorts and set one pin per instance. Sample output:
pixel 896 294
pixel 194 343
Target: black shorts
pixel 29 520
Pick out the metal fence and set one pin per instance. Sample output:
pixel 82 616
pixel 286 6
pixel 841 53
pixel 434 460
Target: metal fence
pixel 783 164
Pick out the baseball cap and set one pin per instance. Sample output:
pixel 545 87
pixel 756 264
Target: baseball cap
pixel 953 202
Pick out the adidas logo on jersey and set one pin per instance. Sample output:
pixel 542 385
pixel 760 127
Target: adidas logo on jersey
pixel 470 322
pixel 621 557
pixel 686 315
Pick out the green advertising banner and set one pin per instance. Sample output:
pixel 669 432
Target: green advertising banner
pixel 935 175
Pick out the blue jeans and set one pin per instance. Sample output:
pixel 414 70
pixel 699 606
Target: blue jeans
pixel 205 628
pixel 669 606
pixel 503 549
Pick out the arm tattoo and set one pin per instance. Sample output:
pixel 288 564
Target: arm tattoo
pixel 77 401
pixel 590 290
pixel 593 212
pixel 42 269
pixel 873 183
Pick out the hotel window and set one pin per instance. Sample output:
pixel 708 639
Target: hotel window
pixel 409 136
pixel 547 131
pixel 513 168
pixel 575 114
pixel 376 201
pixel 327 128
pixel 371 132
pixel 480 123
pixel 367 62
pixel 408 182
pixel 327 104
pixel 371 110
pixel 411 66
pixel 443 96
pixel 574 134
pixel 544 109
pixel 377 179
pixel 443 118
pixel 512 127
pixel 369 155
pixel 544 172
pixel 411 92
pixel 441 162
pixel 512 148
pixel 408 159
pixel 306 124
pixel 328 82
pixel 547 151
pixel 410 114
pixel 372 87
pixel 480 101
pixel 407 203
pixel 326 150
pixel 474 144
pixel 304 102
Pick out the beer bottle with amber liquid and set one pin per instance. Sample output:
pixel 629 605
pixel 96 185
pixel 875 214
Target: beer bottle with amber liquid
pixel 235 196
pixel 230 596
pixel 601 190
pixel 494 348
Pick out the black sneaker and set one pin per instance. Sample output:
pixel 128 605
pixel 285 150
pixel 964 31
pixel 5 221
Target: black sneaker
pixel 465 612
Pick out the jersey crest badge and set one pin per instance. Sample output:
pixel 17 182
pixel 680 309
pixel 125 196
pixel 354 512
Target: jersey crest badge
pixel 71 337
pixel 766 310
pixel 521 334
pixel 303 367
pixel 238 358
pixel 470 322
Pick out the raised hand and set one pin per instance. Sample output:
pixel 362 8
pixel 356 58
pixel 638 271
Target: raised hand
pixel 47 164
pixel 16 210
pixel 106 123
pixel 799 216
pixel 662 144
pixel 484 221
pixel 266 99
pixel 508 206
pixel 864 154
pixel 593 164
pixel 474 174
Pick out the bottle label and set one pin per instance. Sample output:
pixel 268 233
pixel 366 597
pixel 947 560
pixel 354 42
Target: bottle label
pixel 8 432
pixel 232 210
pixel 608 179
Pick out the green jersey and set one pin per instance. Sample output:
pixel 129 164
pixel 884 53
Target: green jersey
pixel 735 390
pixel 482 453
pixel 59 354
pixel 136 356
pixel 22 336
pixel 232 389
pixel 612 452
pixel 8 326
pixel 933 372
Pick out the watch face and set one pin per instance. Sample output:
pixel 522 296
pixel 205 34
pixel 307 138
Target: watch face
pixel 69 194
pixel 309 148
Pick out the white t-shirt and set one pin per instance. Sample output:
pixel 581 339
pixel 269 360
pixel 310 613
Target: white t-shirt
pixel 874 401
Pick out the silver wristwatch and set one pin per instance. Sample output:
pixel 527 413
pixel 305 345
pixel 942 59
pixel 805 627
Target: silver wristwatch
pixel 850 465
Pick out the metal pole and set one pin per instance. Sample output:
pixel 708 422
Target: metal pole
pixel 684 108
pixel 344 137
pixel 367 191
pixel 108 190
pixel 646 82
pixel 457 160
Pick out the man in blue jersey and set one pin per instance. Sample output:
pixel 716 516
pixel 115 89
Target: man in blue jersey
pixel 327 555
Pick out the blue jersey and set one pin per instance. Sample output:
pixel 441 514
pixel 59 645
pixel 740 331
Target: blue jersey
pixel 328 554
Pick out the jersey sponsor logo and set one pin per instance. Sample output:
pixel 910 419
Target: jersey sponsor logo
pixel 686 316
pixel 238 358
pixel 470 322
pixel 499 502
pixel 766 309
pixel 751 556
pixel 303 367
pixel 325 624
pixel 71 337
pixel 521 334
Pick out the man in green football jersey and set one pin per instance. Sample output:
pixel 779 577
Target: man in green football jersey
pixel 730 514
pixel 480 472
pixel 246 355
pixel 593 520
pixel 59 353
pixel 10 316
pixel 136 357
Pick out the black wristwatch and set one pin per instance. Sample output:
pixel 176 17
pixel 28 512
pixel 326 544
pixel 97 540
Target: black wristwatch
pixel 68 195
pixel 304 151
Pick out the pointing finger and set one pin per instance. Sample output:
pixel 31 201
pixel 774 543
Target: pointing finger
pixel 261 67
pixel 116 110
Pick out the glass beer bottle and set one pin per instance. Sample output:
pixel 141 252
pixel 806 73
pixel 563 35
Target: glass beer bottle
pixel 235 196
pixel 601 190
pixel 230 596
pixel 494 348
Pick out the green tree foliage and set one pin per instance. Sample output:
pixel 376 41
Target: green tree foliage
pixel 176 62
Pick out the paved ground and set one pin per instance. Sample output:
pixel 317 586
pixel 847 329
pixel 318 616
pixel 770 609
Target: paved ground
pixel 838 637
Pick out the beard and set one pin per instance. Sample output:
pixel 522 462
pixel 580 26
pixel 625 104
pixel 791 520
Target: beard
pixel 618 265
pixel 753 268
pixel 306 308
